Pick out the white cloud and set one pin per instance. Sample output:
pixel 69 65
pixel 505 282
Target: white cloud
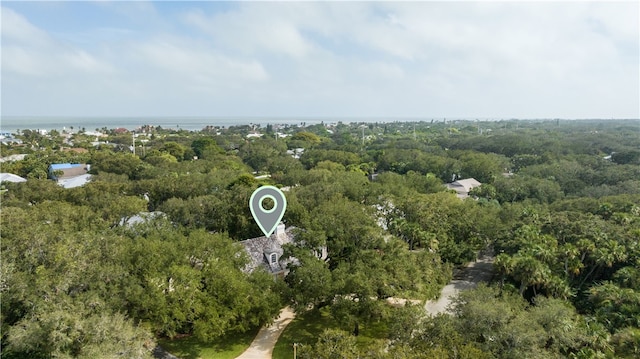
pixel 16 28
pixel 478 59
pixel 250 30
pixel 28 50
pixel 197 62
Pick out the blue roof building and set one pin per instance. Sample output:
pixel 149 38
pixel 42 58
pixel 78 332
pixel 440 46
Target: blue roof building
pixel 68 170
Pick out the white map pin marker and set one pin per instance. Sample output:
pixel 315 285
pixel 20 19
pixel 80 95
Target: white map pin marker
pixel 267 219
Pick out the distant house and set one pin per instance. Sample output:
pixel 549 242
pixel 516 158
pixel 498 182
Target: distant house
pixel 94 134
pixel 76 181
pixel 100 143
pixel 120 130
pixel 67 170
pixel 12 158
pixel 11 141
pixel 10 177
pixel 463 186
pixel 296 152
pixel 254 135
pixel 267 252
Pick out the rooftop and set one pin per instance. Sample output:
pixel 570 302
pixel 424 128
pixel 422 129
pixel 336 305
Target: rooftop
pixel 10 177
pixel 260 250
pixel 77 181
pixel 64 166
pixel 463 186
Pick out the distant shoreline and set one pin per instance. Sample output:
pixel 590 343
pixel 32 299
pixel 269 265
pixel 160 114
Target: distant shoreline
pixel 13 123
pixel 131 123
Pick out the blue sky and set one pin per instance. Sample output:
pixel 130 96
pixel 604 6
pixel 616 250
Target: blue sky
pixel 321 59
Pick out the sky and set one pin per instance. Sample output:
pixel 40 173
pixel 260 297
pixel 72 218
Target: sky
pixel 321 59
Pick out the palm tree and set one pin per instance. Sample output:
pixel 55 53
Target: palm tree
pixel 503 265
pixel 530 272
pixel 569 254
pixel 605 255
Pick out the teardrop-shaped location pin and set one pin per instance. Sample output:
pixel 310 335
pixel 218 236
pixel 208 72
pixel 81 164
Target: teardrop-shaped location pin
pixel 267 219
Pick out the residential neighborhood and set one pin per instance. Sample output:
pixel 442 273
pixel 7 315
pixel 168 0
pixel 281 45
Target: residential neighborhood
pixel 320 179
pixel 368 228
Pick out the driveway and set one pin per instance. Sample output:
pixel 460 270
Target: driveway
pixel 262 345
pixel 467 278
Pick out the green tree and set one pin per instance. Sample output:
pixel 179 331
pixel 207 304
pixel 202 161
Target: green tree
pixel 303 139
pixel 258 154
pixel 310 282
pixel 75 331
pixel 174 149
pixel 627 342
pixel 626 157
pixel 117 163
pixel 206 147
pixel 332 344
pixel 195 284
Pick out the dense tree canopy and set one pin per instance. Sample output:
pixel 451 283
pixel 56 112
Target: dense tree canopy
pixel 558 204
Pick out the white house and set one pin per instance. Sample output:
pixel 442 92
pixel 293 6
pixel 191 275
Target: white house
pixel 254 135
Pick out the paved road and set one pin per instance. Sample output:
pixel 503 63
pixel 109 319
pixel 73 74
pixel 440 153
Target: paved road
pixel 467 278
pixel 262 345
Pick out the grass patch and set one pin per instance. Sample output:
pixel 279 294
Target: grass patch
pixel 306 328
pixel 226 347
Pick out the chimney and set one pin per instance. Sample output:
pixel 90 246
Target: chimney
pixel 280 229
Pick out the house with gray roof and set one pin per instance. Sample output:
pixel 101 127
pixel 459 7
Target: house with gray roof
pixel 268 252
pixel 463 187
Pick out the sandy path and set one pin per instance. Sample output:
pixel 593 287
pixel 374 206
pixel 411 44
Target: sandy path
pixel 262 345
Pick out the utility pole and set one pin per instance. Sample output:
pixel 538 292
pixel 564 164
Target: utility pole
pixel 133 137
